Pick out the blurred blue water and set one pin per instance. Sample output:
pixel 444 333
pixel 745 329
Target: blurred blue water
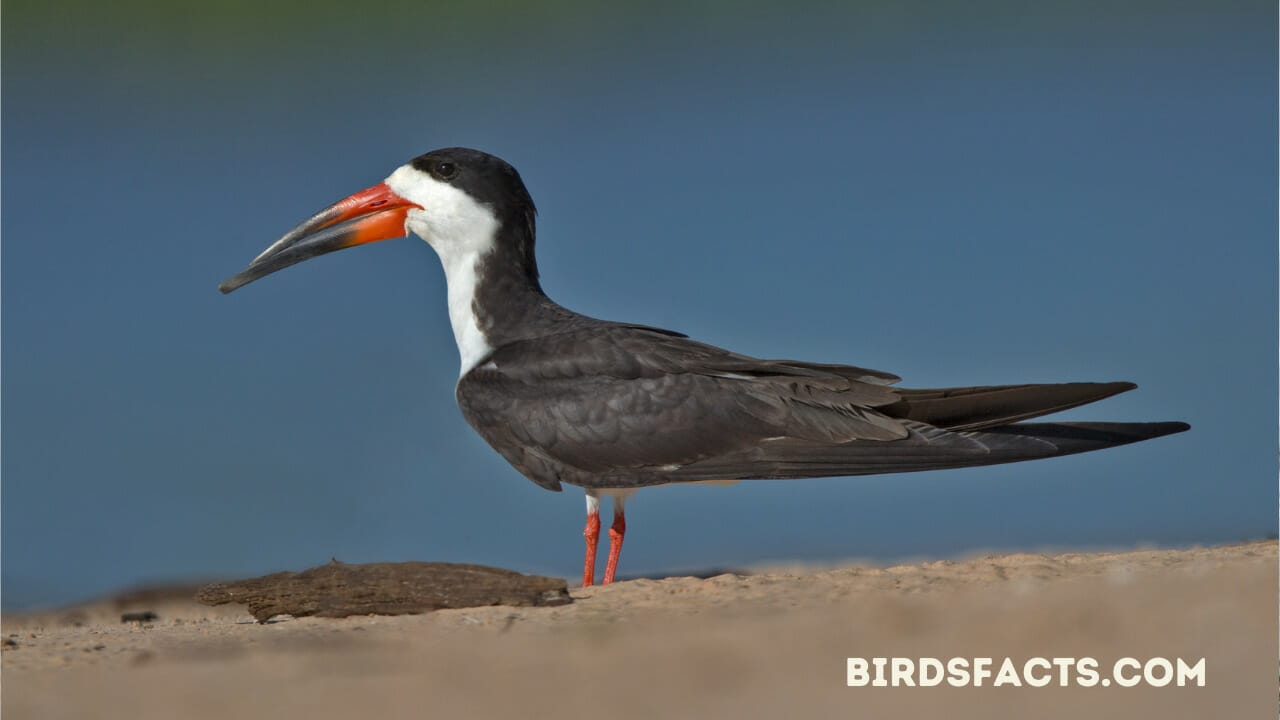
pixel 990 197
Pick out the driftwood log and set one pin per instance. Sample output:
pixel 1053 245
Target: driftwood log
pixel 340 590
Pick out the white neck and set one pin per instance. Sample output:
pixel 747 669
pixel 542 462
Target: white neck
pixel 462 232
pixel 460 273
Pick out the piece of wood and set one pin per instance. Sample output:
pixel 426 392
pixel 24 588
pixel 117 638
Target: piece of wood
pixel 340 590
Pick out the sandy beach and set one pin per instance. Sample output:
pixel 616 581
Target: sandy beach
pixel 772 643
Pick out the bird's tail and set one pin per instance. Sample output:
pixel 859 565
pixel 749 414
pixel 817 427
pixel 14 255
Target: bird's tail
pixel 977 408
pixel 925 448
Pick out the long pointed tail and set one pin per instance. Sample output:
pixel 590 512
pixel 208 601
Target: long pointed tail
pixel 926 448
pixel 976 408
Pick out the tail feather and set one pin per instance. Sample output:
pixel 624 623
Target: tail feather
pixel 925 448
pixel 977 408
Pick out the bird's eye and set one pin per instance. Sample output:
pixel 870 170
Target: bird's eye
pixel 446 170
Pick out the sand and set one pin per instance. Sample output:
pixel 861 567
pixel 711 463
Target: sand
pixel 768 644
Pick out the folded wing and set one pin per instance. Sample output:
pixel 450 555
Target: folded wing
pixel 622 406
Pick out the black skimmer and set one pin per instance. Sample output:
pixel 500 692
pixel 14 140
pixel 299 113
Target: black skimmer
pixel 614 406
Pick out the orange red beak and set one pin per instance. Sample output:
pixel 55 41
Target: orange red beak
pixel 370 215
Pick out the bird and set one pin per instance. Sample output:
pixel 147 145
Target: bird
pixel 612 407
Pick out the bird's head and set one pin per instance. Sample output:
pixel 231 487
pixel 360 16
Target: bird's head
pixel 464 202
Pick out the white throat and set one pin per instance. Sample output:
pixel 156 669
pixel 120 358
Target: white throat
pixel 462 232
pixel 460 274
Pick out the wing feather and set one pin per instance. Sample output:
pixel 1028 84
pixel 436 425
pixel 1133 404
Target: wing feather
pixel 605 398
pixel 611 405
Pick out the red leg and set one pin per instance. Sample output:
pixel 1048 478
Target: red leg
pixel 616 533
pixel 592 534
